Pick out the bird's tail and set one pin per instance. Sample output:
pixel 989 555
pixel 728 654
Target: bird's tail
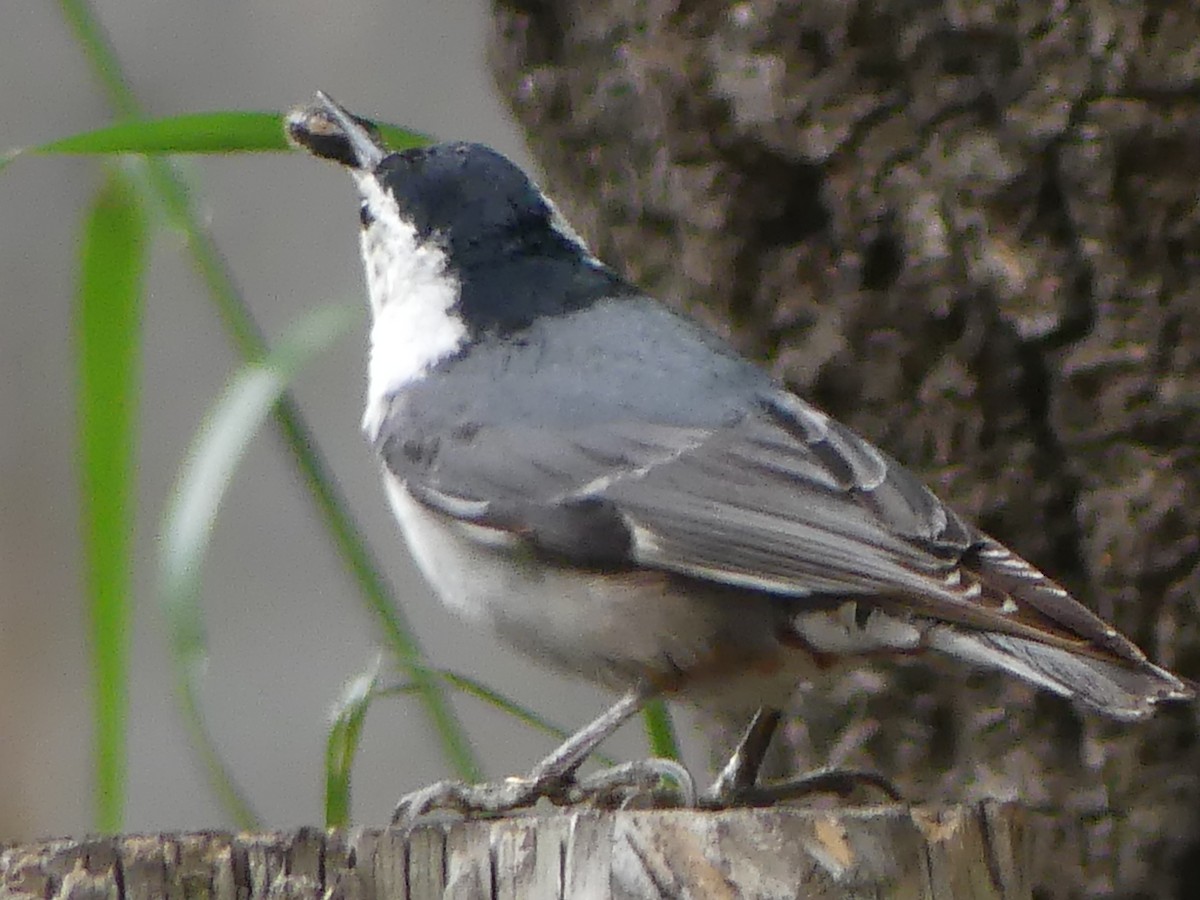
pixel 1120 689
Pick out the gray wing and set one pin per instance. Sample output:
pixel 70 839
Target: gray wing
pixel 780 499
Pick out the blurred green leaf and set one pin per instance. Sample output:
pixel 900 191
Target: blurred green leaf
pixel 229 131
pixel 163 183
pixel 213 458
pixel 660 731
pixel 345 734
pixel 211 132
pixel 108 329
pixel 199 133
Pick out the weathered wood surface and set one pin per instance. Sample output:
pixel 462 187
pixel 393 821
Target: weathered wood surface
pixel 976 852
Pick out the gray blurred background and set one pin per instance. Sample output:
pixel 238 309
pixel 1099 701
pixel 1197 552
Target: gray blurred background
pixel 286 627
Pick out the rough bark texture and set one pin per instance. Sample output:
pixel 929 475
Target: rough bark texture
pixel 971 231
pixel 960 853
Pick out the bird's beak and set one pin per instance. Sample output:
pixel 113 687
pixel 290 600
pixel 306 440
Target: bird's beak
pixel 329 131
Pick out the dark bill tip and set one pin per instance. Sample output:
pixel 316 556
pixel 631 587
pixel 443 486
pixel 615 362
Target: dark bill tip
pixel 329 131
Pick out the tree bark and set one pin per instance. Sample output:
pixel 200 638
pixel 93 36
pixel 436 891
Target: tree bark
pixel 969 230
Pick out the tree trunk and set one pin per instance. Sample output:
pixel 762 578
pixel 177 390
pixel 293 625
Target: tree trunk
pixel 969 230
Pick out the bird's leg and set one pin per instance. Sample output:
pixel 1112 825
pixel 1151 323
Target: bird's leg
pixel 553 777
pixel 741 772
pixel 737 784
pixel 571 754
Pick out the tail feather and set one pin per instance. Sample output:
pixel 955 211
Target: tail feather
pixel 1118 688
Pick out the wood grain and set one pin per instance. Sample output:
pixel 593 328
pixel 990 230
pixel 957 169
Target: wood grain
pixel 972 852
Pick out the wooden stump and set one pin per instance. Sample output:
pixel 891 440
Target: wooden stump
pixel 949 853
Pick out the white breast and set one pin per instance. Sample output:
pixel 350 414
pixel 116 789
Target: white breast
pixel 413 296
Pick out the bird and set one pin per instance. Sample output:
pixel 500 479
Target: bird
pixel 614 490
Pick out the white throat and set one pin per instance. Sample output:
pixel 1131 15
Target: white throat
pixel 412 293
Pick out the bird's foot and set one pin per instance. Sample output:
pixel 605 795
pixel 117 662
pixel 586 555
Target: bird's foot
pixel 724 793
pixel 643 784
pixel 487 798
pixel 635 784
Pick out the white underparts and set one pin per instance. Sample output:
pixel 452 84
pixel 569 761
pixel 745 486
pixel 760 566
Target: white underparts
pixel 413 297
pixel 842 632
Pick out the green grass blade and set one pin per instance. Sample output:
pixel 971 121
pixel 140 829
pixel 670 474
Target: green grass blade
pixel 100 54
pixel 163 183
pixel 660 731
pixel 192 510
pixel 108 329
pixel 212 132
pixel 345 734
pixel 225 131
pixel 172 193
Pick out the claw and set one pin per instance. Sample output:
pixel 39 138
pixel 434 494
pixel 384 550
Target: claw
pixel 553 778
pixel 489 798
pixel 737 783
pixel 637 784
pixel 623 785
pixel 828 781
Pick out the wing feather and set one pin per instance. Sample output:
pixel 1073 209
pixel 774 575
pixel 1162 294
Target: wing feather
pixel 784 500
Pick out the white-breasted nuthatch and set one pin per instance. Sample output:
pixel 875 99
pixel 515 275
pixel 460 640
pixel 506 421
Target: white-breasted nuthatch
pixel 618 493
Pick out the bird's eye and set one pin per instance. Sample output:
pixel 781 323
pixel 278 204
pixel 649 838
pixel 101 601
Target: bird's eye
pixel 365 216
